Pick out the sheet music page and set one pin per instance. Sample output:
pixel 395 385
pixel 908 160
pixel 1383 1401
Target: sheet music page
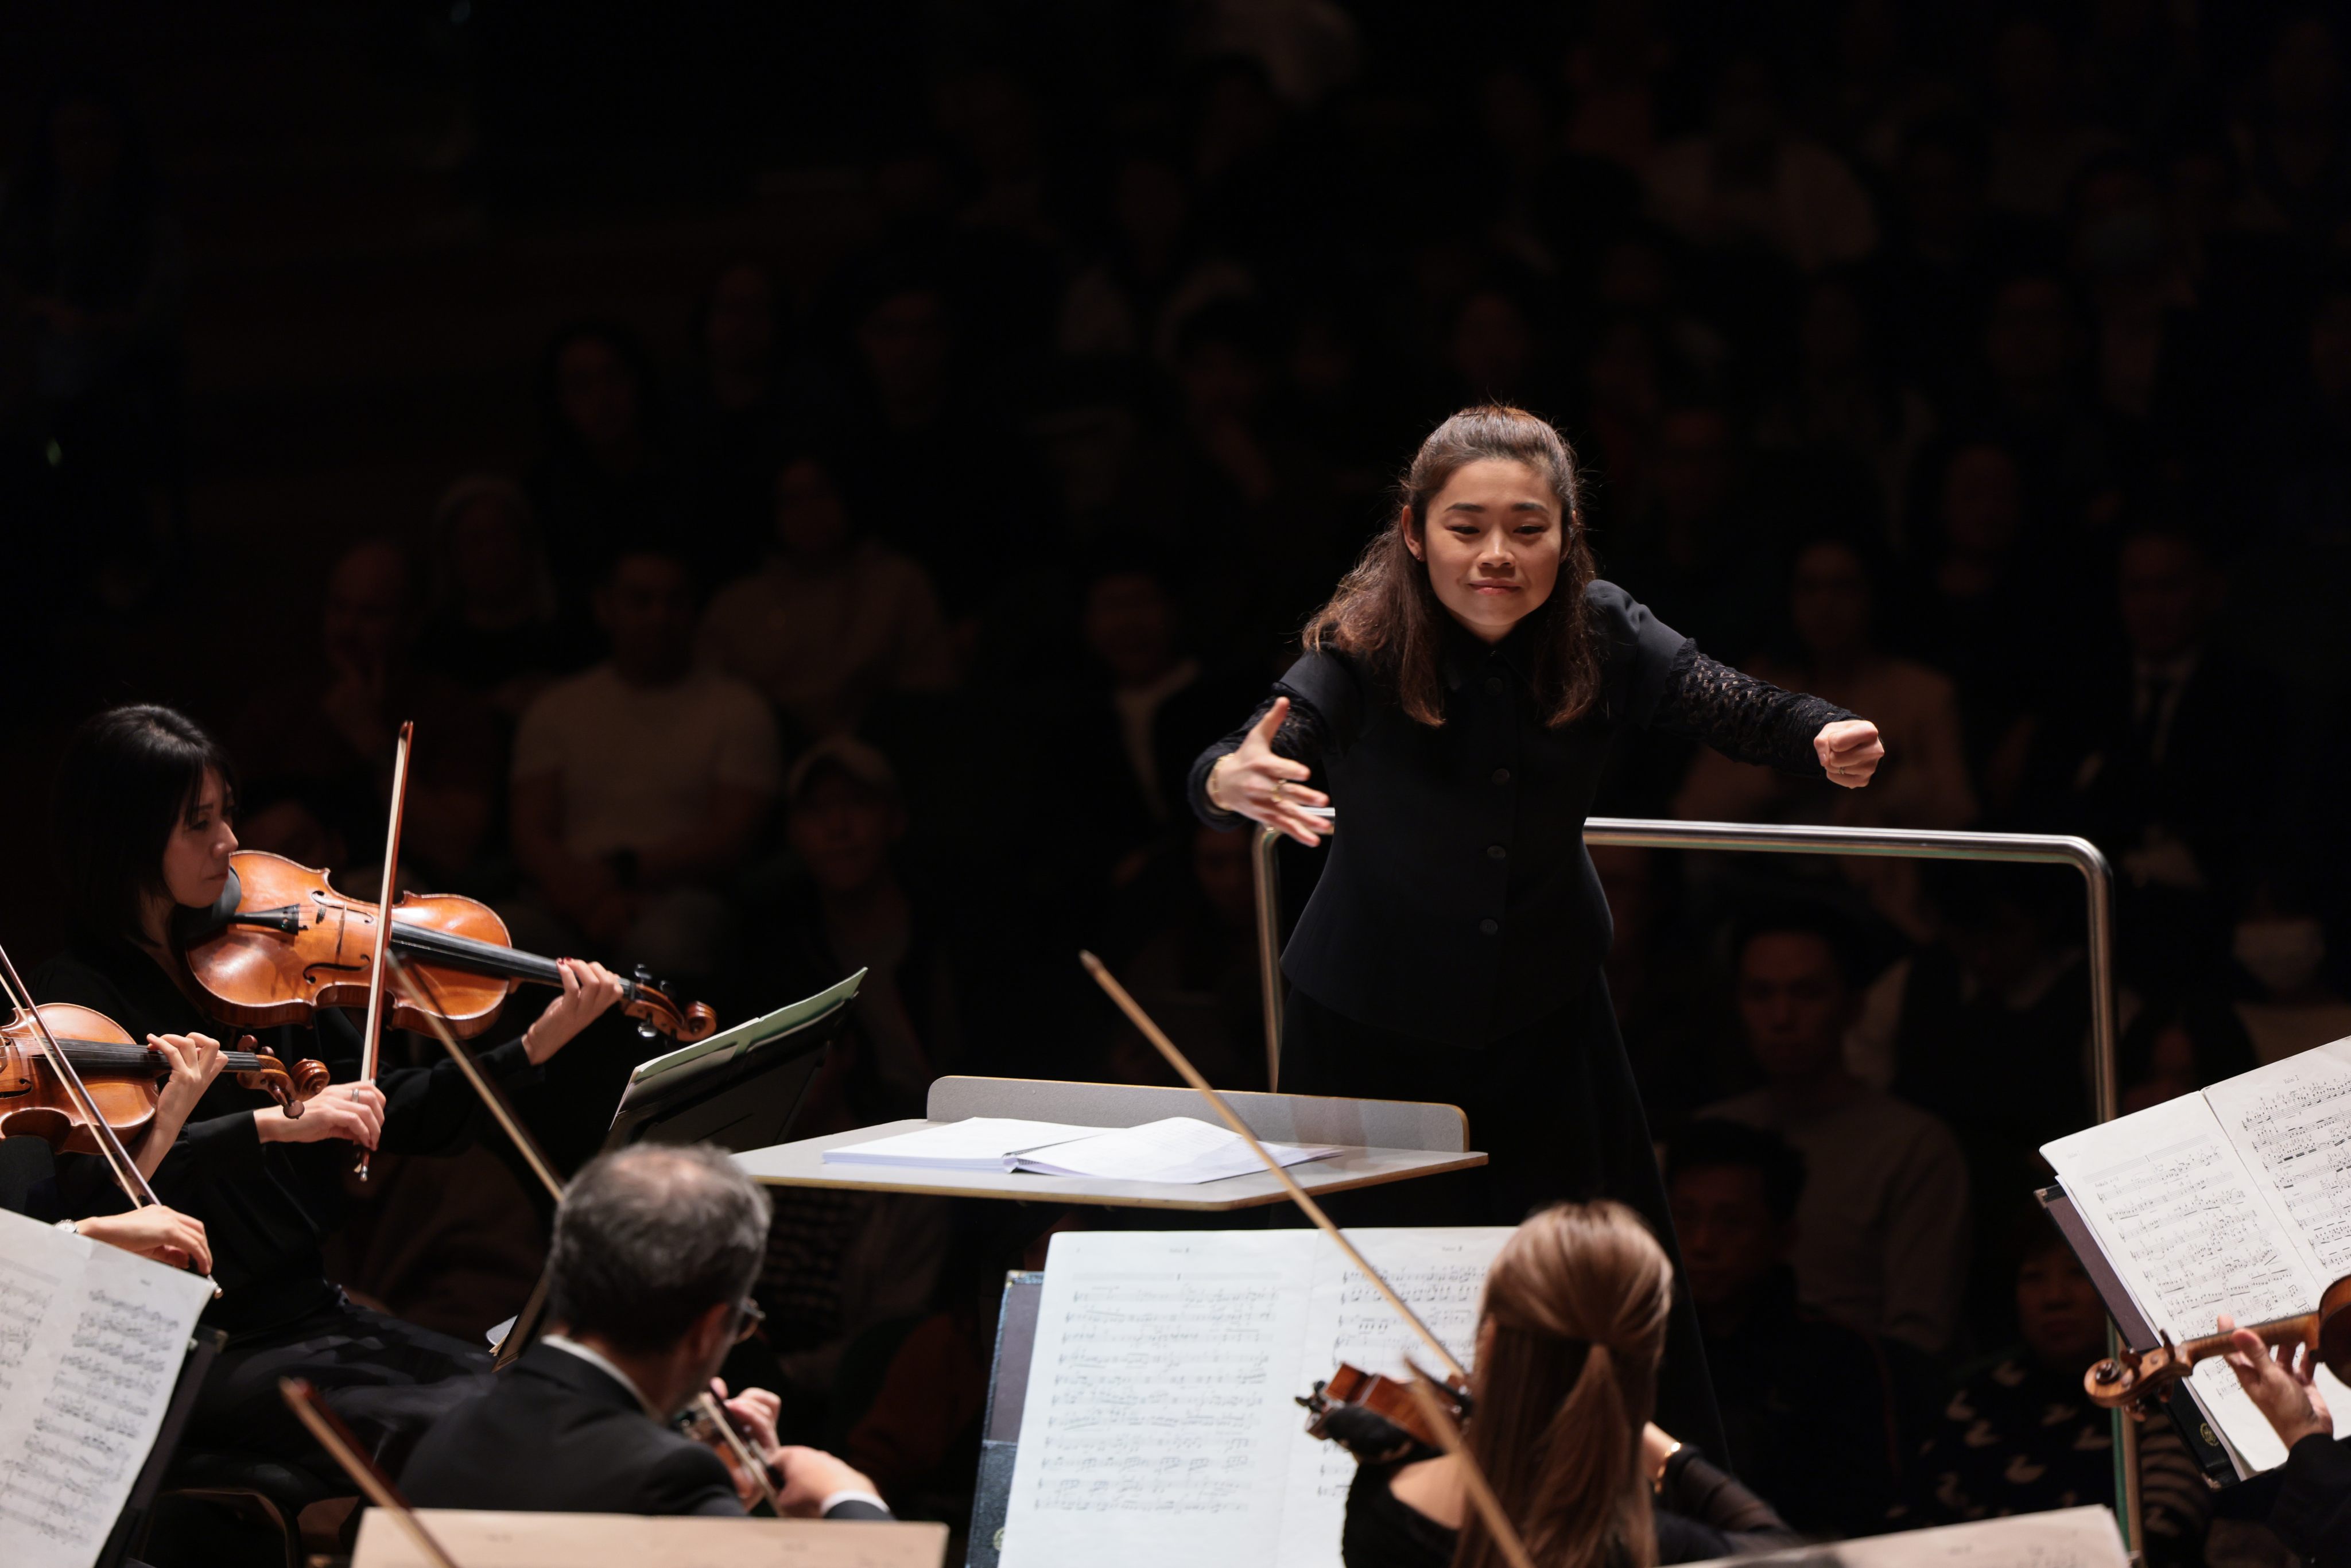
pixel 491 1539
pixel 2291 1122
pixel 1156 1425
pixel 2062 1537
pixel 2191 1236
pixel 91 1341
pixel 1440 1272
pixel 1161 1426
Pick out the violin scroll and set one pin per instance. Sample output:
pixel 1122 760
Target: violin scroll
pixel 656 1014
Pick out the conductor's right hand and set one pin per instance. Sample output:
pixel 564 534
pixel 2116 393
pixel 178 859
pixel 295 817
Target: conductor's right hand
pixel 1264 786
pixel 351 1112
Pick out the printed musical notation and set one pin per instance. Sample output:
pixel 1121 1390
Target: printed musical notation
pixel 1158 1395
pixel 92 1346
pixel 2197 1237
pixel 2292 1120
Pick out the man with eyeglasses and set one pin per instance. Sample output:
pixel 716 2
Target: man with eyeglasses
pixel 649 1282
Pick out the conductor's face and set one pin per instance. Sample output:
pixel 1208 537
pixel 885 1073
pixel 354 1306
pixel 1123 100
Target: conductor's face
pixel 1491 544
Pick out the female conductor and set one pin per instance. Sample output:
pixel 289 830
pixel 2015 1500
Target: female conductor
pixel 1455 704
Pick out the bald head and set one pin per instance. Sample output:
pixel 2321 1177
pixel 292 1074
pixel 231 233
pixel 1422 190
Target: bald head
pixel 650 1237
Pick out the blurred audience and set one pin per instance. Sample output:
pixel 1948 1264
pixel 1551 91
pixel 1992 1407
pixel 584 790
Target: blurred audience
pixel 1881 1232
pixel 639 784
pixel 2021 1436
pixel 326 730
pixel 1808 1403
pixel 836 618
pixel 494 626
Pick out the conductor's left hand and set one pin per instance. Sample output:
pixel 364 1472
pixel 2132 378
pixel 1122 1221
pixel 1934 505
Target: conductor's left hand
pixel 1850 751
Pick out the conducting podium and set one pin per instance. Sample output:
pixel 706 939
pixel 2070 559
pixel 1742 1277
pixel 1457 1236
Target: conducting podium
pixel 1376 1142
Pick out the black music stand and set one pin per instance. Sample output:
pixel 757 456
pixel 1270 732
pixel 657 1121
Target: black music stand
pixel 999 1432
pixel 738 1090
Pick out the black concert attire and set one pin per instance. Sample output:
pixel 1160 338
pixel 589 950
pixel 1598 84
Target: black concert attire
pixel 1813 1413
pixel 266 1208
pixel 2312 1511
pixel 1452 950
pixel 561 1435
pixel 1701 1513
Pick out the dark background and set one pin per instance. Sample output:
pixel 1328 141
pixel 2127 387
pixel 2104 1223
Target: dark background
pixel 2006 303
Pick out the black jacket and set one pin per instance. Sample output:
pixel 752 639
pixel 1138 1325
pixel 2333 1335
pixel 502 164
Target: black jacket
pixel 2313 1511
pixel 1457 903
pixel 558 1435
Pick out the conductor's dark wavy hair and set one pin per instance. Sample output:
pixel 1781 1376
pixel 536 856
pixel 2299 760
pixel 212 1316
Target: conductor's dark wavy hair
pixel 1385 616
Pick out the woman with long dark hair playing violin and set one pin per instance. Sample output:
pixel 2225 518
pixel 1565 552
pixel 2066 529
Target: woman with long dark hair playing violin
pixel 1457 698
pixel 141 829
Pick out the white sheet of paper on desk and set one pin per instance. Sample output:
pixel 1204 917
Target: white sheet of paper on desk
pixel 974 1143
pixel 1179 1150
pixel 2062 1537
pixel 91 1342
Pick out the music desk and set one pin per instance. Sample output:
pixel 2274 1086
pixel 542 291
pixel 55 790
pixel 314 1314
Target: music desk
pixel 1380 1141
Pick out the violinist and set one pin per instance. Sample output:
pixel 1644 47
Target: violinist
pixel 648 1285
pixel 2311 1509
pixel 1455 704
pixel 140 830
pixel 1569 1337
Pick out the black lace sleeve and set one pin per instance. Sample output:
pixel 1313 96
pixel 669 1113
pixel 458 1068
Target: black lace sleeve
pixel 1301 738
pixel 1746 719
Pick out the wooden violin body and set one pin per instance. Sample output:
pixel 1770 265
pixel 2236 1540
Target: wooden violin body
pixel 1375 1417
pixel 2143 1374
pixel 282 943
pixel 124 1077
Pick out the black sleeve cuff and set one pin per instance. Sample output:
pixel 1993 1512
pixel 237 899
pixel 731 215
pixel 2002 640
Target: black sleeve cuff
pixel 208 1150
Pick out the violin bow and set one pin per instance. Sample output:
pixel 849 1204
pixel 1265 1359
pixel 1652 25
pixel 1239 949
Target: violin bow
pixel 340 1441
pixel 387 894
pixel 1481 1492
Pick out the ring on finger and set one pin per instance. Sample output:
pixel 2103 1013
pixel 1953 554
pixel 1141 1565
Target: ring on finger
pixel 1281 787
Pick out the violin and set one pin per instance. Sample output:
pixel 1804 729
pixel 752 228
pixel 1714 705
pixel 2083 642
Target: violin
pixel 280 943
pixel 1374 1416
pixel 124 1078
pixel 729 1436
pixel 2140 1375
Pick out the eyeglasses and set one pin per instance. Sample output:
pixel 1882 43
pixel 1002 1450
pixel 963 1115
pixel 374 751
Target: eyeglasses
pixel 748 1322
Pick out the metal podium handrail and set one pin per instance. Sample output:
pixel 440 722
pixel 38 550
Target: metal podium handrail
pixel 1902 844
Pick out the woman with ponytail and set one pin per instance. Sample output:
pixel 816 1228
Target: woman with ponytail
pixel 1569 1337
pixel 1455 704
